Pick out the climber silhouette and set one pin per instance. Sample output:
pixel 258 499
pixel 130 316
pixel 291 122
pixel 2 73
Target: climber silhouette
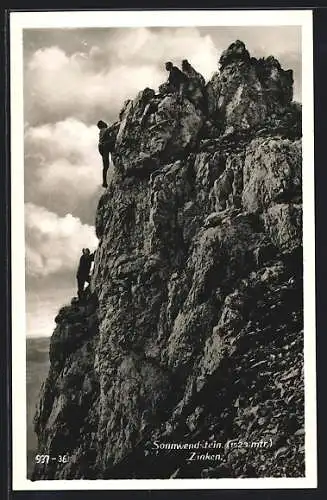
pixel 190 72
pixel 83 271
pixel 150 106
pixel 103 150
pixel 195 89
pixel 177 79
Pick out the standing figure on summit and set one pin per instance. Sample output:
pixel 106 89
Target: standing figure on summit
pixel 177 79
pixel 192 73
pixel 83 271
pixel 195 90
pixel 104 150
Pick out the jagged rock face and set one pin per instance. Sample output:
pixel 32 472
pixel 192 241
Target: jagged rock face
pixel 197 294
pixel 247 91
pixel 67 413
pixel 171 128
pixel 272 173
pixel 234 53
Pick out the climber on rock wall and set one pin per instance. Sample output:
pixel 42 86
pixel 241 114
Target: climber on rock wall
pixel 192 73
pixel 105 146
pixel 195 89
pixel 83 271
pixel 150 108
pixel 177 79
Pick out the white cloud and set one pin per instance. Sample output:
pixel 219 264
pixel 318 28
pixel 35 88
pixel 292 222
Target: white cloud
pixel 67 137
pixel 42 305
pixel 156 47
pixel 93 84
pixel 53 243
pixel 69 86
pixel 63 167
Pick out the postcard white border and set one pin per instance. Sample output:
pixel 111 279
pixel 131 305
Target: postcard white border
pixel 90 19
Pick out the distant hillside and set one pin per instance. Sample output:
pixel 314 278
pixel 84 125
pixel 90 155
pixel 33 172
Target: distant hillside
pixel 37 366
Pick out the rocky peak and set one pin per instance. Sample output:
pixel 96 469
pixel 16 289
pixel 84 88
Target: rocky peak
pixel 236 52
pixel 169 128
pixel 247 92
pixel 192 327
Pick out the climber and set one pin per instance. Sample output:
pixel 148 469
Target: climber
pixel 83 271
pixel 149 109
pixel 195 89
pixel 105 148
pixel 148 105
pixel 177 79
pixel 190 72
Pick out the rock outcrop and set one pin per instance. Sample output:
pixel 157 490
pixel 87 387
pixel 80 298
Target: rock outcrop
pixel 247 91
pixel 192 330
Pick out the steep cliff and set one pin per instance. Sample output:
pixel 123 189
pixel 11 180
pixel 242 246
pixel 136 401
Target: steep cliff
pixel 192 330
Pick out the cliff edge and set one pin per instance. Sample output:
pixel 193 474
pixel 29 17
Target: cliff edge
pixel 192 330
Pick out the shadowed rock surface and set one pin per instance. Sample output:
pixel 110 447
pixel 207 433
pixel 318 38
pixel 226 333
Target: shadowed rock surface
pixel 37 368
pixel 192 329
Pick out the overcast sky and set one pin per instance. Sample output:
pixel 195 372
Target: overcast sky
pixel 73 78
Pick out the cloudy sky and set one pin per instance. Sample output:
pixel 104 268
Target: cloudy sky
pixel 73 78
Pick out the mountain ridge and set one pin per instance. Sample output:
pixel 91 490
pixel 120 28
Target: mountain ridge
pixel 192 327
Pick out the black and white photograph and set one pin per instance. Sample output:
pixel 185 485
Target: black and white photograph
pixel 162 250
